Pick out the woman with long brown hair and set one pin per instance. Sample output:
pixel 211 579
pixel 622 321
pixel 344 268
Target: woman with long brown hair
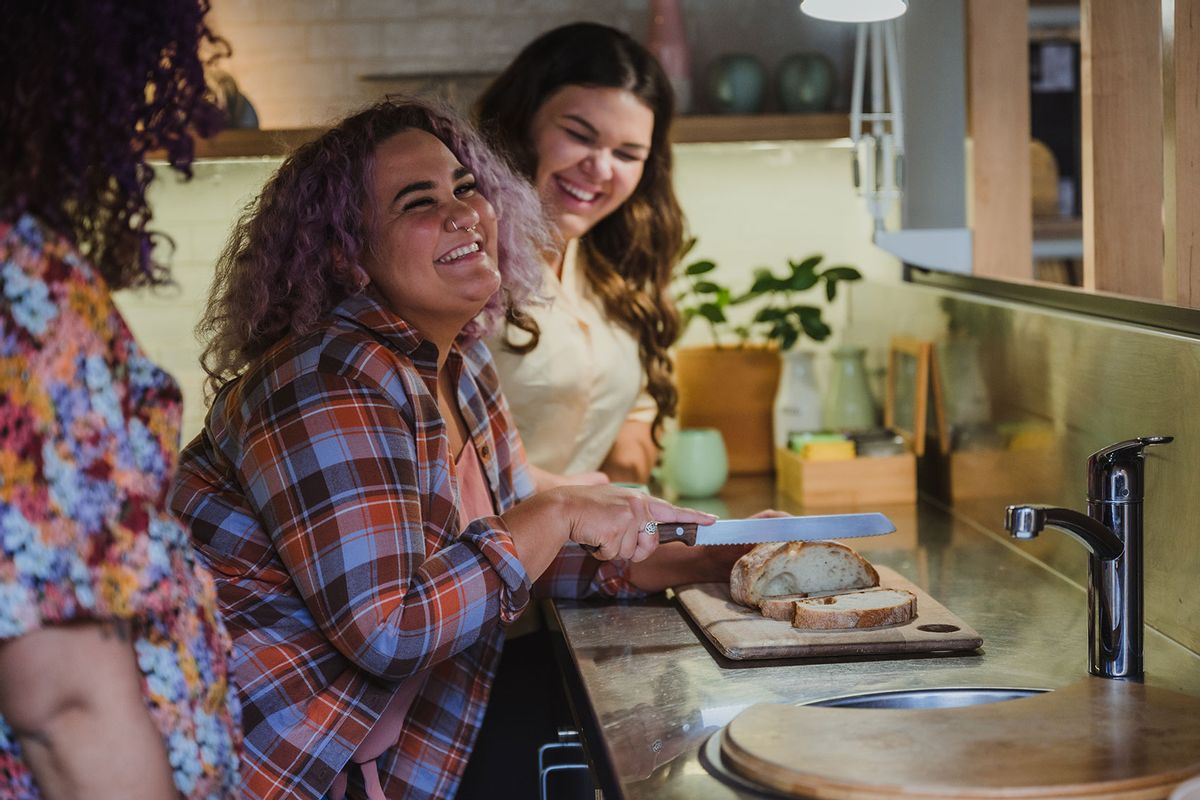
pixel 583 112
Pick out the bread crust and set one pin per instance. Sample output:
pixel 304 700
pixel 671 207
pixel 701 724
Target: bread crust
pixel 822 614
pixel 752 571
pixel 783 607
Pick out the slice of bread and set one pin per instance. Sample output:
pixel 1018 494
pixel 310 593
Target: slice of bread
pixel 784 568
pixel 783 607
pixel 855 610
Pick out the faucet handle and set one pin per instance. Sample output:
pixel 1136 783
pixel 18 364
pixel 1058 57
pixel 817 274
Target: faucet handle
pixel 1115 472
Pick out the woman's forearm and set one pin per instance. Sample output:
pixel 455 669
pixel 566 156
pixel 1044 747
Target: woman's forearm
pixel 538 530
pixel 72 695
pixel 632 455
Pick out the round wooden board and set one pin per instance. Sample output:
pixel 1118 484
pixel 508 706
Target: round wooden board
pixel 1096 738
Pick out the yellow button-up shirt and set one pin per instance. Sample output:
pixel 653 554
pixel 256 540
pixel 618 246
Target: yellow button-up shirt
pixel 573 392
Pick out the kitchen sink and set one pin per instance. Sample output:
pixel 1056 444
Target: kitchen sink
pixel 928 698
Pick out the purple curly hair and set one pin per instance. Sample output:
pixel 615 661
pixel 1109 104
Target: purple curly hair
pixel 90 88
pixel 295 252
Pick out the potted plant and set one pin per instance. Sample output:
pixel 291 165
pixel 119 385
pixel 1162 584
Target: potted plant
pixel 732 384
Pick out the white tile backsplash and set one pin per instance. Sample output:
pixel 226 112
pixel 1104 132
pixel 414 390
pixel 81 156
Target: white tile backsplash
pixel 748 204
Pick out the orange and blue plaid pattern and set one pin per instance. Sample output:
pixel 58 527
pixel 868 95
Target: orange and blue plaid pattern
pixel 320 493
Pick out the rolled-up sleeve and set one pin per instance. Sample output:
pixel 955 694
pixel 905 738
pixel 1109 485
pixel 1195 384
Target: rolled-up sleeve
pixel 335 471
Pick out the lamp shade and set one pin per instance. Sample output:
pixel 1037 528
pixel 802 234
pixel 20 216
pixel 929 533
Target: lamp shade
pixel 854 10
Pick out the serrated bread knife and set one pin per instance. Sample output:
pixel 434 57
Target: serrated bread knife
pixel 776 529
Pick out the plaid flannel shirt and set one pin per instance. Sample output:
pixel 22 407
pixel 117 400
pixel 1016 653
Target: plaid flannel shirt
pixel 320 495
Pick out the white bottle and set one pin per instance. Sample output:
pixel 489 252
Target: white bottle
pixel 798 402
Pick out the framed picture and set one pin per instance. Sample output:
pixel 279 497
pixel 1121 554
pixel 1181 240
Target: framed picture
pixel 908 380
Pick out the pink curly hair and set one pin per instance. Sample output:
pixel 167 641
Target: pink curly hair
pixel 295 251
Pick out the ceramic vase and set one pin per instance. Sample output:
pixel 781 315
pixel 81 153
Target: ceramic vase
pixel 695 463
pixel 736 84
pixel 666 40
pixel 798 401
pixel 805 83
pixel 848 403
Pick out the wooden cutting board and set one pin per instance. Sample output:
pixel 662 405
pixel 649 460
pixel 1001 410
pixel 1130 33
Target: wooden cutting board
pixel 742 633
pixel 1095 738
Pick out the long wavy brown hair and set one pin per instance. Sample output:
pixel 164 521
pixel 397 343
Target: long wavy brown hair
pixel 629 256
pixel 296 251
pixel 88 89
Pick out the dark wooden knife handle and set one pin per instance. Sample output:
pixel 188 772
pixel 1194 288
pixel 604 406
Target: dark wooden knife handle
pixel 677 532
pixel 667 532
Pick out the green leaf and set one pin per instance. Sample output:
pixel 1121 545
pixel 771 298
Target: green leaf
pixel 724 297
pixel 699 267
pixel 808 264
pixel 815 327
pixel 830 290
pixel 769 314
pixel 806 312
pixel 711 312
pixel 841 273
pixel 789 338
pixel 706 287
pixel 687 247
pixel 802 280
pixel 767 283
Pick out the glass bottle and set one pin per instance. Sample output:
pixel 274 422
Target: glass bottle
pixel 798 402
pixel 848 403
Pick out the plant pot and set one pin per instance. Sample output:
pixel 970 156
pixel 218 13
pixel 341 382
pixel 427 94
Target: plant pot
pixel 733 390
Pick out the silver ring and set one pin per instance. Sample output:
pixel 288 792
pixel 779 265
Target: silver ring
pixel 650 529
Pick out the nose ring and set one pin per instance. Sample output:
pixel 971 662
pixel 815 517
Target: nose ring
pixel 453 225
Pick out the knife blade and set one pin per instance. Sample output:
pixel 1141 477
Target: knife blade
pixel 776 529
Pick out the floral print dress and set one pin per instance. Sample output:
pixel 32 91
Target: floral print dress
pixel 88 435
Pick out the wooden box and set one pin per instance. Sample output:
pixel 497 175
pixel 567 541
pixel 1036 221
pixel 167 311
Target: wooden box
pixel 876 480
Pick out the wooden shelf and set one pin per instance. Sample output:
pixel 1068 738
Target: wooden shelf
pixel 1057 227
pixel 760 128
pixel 250 143
pixel 690 129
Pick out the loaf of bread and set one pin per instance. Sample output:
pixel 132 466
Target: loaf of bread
pixel 790 568
pixel 871 609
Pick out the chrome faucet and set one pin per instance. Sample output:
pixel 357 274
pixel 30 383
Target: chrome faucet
pixel 1112 533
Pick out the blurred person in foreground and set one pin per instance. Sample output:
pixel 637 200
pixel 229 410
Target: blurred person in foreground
pixel 113 680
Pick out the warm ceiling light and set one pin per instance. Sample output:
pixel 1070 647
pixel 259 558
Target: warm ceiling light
pixel 854 10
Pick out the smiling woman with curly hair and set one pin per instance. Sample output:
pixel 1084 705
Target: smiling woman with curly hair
pixel 113 677
pixel 359 488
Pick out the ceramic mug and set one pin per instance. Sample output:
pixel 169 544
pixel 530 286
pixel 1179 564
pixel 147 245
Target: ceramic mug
pixel 695 463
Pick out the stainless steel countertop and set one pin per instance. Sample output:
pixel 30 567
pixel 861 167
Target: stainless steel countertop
pixel 653 690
